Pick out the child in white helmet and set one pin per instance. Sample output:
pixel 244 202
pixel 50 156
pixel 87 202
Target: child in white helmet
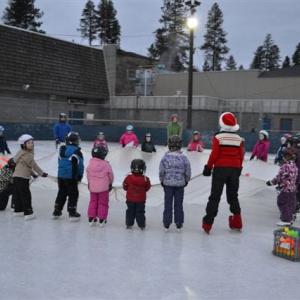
pixel 262 146
pixel 129 139
pixel 25 168
pixel 3 144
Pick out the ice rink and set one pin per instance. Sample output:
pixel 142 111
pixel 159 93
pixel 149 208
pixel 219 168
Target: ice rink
pixel 57 259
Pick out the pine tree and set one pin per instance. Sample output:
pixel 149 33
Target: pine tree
pixel 296 56
pixel 215 39
pixel 89 22
pixel 23 14
pixel 231 64
pixel 109 29
pixel 171 40
pixel 241 67
pixel 206 66
pixel 257 60
pixel 286 63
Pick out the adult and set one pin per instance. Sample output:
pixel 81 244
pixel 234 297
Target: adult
pixel 61 129
pixel 174 128
pixel 226 161
pixel 262 146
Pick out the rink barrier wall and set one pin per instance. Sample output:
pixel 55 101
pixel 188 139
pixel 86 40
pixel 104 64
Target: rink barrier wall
pixel 113 133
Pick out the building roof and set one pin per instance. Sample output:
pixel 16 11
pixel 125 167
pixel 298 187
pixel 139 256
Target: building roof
pixel 285 72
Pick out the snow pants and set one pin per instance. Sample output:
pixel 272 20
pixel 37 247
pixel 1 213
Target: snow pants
pixel 286 202
pixel 298 198
pixel 4 196
pixel 223 176
pixel 98 207
pixel 173 196
pixel 67 189
pixel 135 211
pixel 22 196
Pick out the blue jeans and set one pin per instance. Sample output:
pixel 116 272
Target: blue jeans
pixel 173 194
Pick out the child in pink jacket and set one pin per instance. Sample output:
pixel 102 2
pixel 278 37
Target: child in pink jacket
pixel 100 178
pixel 261 148
pixel 129 138
pixel 196 144
pixel 100 140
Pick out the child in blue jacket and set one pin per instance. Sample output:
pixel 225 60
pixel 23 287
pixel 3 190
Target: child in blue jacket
pixel 61 129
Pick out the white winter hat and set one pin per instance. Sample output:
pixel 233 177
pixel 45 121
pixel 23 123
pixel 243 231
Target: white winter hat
pixel 24 138
pixel 265 133
pixel 228 122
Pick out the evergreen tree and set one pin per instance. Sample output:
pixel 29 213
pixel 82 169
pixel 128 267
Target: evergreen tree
pixel 241 67
pixel 109 28
pixel 23 14
pixel 206 66
pixel 257 60
pixel 215 39
pixel 89 22
pixel 296 56
pixel 171 41
pixel 286 63
pixel 231 64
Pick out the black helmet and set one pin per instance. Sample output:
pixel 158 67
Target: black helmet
pixel 99 151
pixel 62 117
pixel 174 143
pixel 73 138
pixel 138 166
pixel 296 141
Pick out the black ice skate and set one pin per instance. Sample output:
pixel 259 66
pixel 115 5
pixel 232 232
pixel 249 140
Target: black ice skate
pixel 56 214
pixel 93 221
pixel 74 217
pixel 102 222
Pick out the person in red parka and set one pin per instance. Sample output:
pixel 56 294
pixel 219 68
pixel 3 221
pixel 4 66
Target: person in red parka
pixel 226 161
pixel 136 184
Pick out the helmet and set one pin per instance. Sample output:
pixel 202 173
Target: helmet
pixel 173 116
pixel 174 143
pixel 100 133
pixel 148 134
pixel 99 152
pixel 24 138
pixel 129 127
pixel 73 138
pixel 295 141
pixel 62 117
pixel 264 133
pixel 290 154
pixel 138 166
pixel 11 163
pixel 196 132
pixel 1 128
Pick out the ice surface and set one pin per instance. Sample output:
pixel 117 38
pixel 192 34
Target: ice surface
pixel 46 259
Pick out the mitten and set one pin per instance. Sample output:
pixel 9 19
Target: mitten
pixel 269 183
pixel 110 187
pixel 162 184
pixel 34 176
pixel 252 156
pixel 45 174
pixel 206 171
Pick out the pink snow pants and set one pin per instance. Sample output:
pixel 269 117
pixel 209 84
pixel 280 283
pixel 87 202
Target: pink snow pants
pixel 98 207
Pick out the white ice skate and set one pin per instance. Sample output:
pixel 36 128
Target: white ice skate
pixel 281 223
pixel 29 217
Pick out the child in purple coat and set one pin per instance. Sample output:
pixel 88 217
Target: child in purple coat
pixel 100 178
pixel 261 148
pixel 286 186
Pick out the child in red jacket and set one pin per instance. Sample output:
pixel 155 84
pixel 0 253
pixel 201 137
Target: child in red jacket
pixel 136 185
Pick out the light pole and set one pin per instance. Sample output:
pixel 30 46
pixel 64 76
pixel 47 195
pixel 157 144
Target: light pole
pixel 192 23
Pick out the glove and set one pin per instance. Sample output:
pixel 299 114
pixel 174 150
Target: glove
pixel 186 183
pixel 110 187
pixel 269 183
pixel 34 176
pixel 240 173
pixel 45 174
pixel 252 156
pixel 206 171
pixel 162 184
pixel 57 141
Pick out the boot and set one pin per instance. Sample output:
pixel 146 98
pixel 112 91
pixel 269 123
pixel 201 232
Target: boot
pixel 235 222
pixel 206 227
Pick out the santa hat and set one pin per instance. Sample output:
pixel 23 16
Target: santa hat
pixel 228 122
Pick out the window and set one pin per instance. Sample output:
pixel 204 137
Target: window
pixel 76 115
pixel 266 123
pixel 286 124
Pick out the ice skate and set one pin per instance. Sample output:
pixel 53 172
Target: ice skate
pixel 166 228
pixel 142 228
pixel 56 214
pixel 74 217
pixel 235 222
pixel 281 223
pixel 102 222
pixel 179 227
pixel 93 222
pixel 128 227
pixel 18 214
pixel 29 217
pixel 206 227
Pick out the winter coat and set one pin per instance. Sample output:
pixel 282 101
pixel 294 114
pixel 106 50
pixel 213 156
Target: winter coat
pixel 227 151
pixel 286 177
pixel 174 169
pixel 61 130
pixel 279 154
pixel 6 177
pixel 25 164
pixel 127 138
pixel 261 150
pixel 297 163
pixel 3 145
pixel 174 129
pixel 99 142
pixel 148 147
pixel 70 163
pixel 136 186
pixel 195 146
pixel 99 175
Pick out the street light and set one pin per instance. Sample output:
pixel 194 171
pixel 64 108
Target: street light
pixel 192 24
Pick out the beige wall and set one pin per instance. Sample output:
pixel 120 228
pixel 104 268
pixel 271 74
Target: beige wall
pixel 230 85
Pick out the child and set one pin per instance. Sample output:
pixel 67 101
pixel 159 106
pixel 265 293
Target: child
pixel 129 139
pixel 100 178
pixel 70 172
pixel 147 145
pixel 226 161
pixel 25 165
pixel 100 140
pixel 6 183
pixel 61 129
pixel 174 128
pixel 286 185
pixel 284 144
pixel 3 144
pixel 261 148
pixel 136 185
pixel 196 144
pixel 174 175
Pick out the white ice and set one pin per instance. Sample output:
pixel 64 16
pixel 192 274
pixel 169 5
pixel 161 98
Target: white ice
pixel 47 259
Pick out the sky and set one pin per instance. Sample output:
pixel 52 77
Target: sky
pixel 246 21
